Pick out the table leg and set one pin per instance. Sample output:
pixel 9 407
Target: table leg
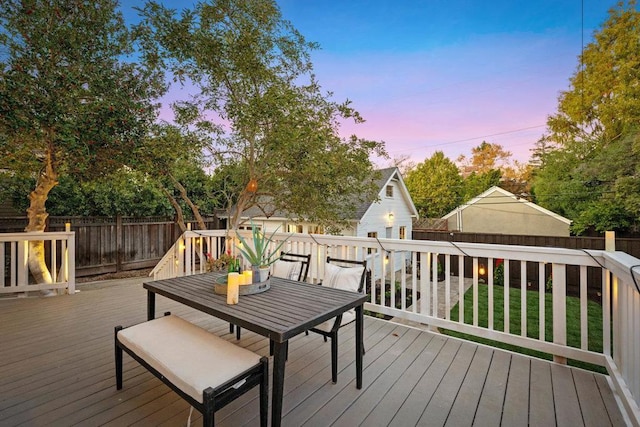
pixel 151 305
pixel 279 360
pixel 359 344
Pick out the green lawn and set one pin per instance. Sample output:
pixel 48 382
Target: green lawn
pixel 573 321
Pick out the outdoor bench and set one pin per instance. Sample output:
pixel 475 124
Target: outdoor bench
pixel 204 369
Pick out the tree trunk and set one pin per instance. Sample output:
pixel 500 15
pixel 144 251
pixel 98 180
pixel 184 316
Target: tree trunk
pixel 194 208
pixel 37 216
pixel 177 208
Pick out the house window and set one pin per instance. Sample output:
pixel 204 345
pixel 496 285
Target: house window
pixel 374 235
pixel 316 229
pixel 389 190
pixel 402 232
pixel 389 232
pixel 294 228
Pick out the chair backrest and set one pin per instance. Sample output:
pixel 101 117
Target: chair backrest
pixel 304 259
pixel 351 263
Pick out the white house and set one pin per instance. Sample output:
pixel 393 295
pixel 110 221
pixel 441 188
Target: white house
pixel 499 211
pixel 389 217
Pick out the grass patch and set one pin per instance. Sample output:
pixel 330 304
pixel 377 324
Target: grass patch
pixel 572 313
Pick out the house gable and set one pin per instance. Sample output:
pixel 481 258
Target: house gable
pixel 499 211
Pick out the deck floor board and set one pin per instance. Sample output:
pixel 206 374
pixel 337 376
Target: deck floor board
pixel 56 369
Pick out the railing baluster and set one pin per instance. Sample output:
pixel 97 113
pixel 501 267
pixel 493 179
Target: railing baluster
pixel 559 293
pixel 584 320
pixel 475 291
pixel 434 282
pixel 505 309
pixel 414 280
pixel 461 288
pixel 606 312
pixel 523 298
pixel 447 287
pixel 424 283
pixel 490 293
pixel 392 278
pixel 541 301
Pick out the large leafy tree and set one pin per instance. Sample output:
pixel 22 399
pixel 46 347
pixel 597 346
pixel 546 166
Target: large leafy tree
pixel 483 169
pixel 268 119
pixel 601 191
pixel 603 101
pixel 590 162
pixel 434 185
pixel 70 102
pixel 484 158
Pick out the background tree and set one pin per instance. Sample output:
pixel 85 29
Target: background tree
pixel 434 186
pixel 484 158
pixel 483 170
pixel 590 175
pixel 603 101
pixel 477 183
pixel 69 103
pixel 253 75
pixel 601 191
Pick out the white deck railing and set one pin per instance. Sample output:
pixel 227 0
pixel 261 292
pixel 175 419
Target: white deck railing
pixel 60 259
pixel 415 272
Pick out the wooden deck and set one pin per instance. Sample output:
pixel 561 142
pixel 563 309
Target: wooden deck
pixel 56 369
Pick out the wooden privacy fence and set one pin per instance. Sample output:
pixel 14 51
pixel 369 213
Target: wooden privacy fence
pixel 113 244
pixel 594 280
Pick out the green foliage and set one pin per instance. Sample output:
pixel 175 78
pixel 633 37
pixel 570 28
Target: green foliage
pixel 598 190
pixel 604 99
pixel 260 253
pixel 123 192
pixel 434 185
pixel 479 182
pixel 252 71
pixel 590 160
pixel 498 274
pixel 68 95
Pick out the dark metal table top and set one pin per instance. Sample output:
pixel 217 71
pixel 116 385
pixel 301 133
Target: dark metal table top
pixel 284 311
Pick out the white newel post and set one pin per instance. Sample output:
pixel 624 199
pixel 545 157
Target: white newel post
pixel 559 293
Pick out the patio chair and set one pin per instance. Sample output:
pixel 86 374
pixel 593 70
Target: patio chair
pixel 344 274
pixel 289 266
pixel 292 266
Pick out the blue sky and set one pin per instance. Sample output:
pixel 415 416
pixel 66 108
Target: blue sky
pixel 445 75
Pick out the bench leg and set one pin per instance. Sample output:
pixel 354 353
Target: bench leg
pixel 118 359
pixel 208 412
pixel 264 393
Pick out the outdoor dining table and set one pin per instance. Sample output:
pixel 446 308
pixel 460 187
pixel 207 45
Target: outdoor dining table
pixel 285 310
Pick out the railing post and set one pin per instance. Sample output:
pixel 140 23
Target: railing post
pixel 610 241
pixel 559 293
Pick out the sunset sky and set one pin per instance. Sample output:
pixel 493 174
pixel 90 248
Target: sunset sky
pixel 445 75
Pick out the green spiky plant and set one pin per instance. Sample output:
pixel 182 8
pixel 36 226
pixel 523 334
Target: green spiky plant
pixel 260 255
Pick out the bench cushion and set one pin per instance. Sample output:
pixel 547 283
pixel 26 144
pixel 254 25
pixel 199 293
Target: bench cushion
pixel 187 355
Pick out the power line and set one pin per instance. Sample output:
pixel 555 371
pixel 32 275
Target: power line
pixel 469 139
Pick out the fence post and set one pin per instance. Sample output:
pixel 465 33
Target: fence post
pixel 119 254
